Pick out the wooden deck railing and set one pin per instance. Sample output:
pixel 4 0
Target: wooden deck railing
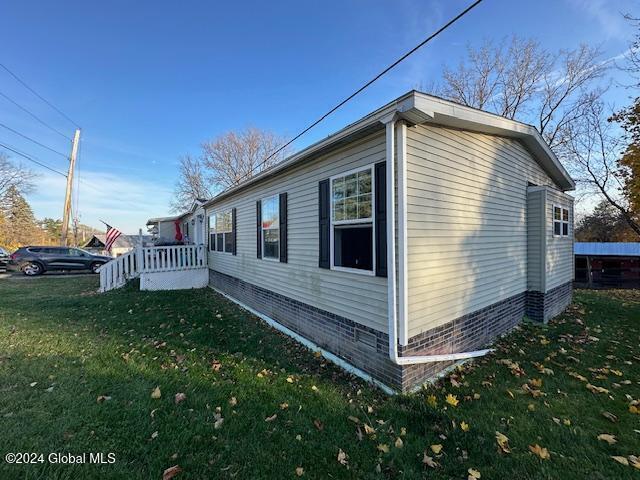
pixel 117 272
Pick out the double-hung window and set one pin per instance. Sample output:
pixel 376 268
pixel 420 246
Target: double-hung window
pixel 270 216
pixel 352 239
pixel 560 221
pixel 221 232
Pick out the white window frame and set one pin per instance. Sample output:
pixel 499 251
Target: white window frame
pixel 262 229
pixel 225 232
pixel 372 272
pixel 562 222
pixel 209 232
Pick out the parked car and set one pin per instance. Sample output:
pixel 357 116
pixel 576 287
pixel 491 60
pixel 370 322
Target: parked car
pixel 37 260
pixel 4 258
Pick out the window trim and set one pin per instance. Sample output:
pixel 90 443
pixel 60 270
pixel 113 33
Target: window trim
pixel 211 247
pixel 224 234
pixel 561 221
pixel 371 220
pixel 276 197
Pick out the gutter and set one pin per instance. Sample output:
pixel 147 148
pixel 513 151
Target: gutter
pixel 393 311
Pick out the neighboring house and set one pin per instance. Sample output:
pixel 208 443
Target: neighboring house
pixel 123 244
pixel 607 265
pixel 186 228
pixel 404 242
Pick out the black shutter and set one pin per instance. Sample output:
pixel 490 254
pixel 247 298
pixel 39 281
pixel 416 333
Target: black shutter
pixel 283 227
pixel 259 229
pixel 380 170
pixel 324 212
pixel 234 236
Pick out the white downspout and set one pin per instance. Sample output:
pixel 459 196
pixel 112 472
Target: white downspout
pixel 402 268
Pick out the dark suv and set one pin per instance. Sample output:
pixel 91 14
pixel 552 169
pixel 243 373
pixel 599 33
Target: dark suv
pixel 36 260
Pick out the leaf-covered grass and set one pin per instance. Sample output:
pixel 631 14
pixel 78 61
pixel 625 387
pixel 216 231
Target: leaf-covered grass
pixel 62 346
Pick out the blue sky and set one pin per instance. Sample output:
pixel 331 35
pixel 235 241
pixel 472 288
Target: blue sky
pixel 149 81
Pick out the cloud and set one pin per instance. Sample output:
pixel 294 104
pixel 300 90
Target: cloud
pixel 608 14
pixel 125 203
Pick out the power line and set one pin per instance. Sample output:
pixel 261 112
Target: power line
pixel 366 85
pixel 31 159
pixel 34 141
pixel 35 116
pixel 38 95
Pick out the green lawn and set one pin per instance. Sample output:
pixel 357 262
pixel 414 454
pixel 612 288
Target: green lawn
pixel 260 406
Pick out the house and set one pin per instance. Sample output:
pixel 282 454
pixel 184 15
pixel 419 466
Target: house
pixel 123 244
pixel 607 264
pixel 187 227
pixel 425 228
pixel 403 243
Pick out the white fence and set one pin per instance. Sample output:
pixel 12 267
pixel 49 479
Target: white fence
pixel 117 272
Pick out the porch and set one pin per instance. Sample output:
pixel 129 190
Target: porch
pixel 159 268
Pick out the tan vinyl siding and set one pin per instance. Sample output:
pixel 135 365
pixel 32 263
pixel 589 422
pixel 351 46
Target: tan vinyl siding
pixel 360 298
pixel 536 231
pixel 466 216
pixel 559 264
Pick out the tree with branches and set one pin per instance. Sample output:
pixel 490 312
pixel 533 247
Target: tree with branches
pixel 226 161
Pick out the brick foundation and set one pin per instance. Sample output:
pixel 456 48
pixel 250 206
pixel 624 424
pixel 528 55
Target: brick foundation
pixel 368 349
pixel 542 307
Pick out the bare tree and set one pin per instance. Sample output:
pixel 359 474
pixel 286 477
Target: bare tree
pixel 224 162
pixel 520 80
pixel 14 176
pixel 192 184
pixel 234 157
pixel 591 149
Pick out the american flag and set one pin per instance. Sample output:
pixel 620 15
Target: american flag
pixel 112 236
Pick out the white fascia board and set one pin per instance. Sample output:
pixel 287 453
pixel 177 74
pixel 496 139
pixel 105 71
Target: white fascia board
pixel 450 114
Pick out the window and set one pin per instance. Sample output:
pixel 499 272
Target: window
pixel 560 222
pixel 212 232
pixel 352 221
pixel 270 216
pixel 221 232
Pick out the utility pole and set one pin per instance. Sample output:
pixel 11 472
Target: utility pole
pixel 67 198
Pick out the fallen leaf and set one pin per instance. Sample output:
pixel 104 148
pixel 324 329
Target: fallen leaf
pixel 217 424
pixel 103 398
pixel 154 435
pixel 179 398
pixel 290 379
pixel 432 401
pixel 319 425
pixel 621 460
pixel 233 401
pixel 635 461
pixel 299 471
pixel 595 389
pixel 610 416
pixel 473 474
pixel 156 393
pixel 399 443
pixel 171 472
pixel 452 400
pixel 216 365
pixel 464 426
pixel 284 406
pixel 271 418
pixel 503 442
pixel 429 461
pixel 437 448
pixel 369 430
pixel 606 437
pixel 354 419
pixel 541 452
pixel 384 448
pixel 342 457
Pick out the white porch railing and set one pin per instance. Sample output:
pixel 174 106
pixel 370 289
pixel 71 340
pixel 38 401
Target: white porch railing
pixel 116 273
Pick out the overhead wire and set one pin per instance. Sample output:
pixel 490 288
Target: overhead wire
pixel 24 84
pixel 34 141
pixel 31 159
pixel 33 115
pixel 362 88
